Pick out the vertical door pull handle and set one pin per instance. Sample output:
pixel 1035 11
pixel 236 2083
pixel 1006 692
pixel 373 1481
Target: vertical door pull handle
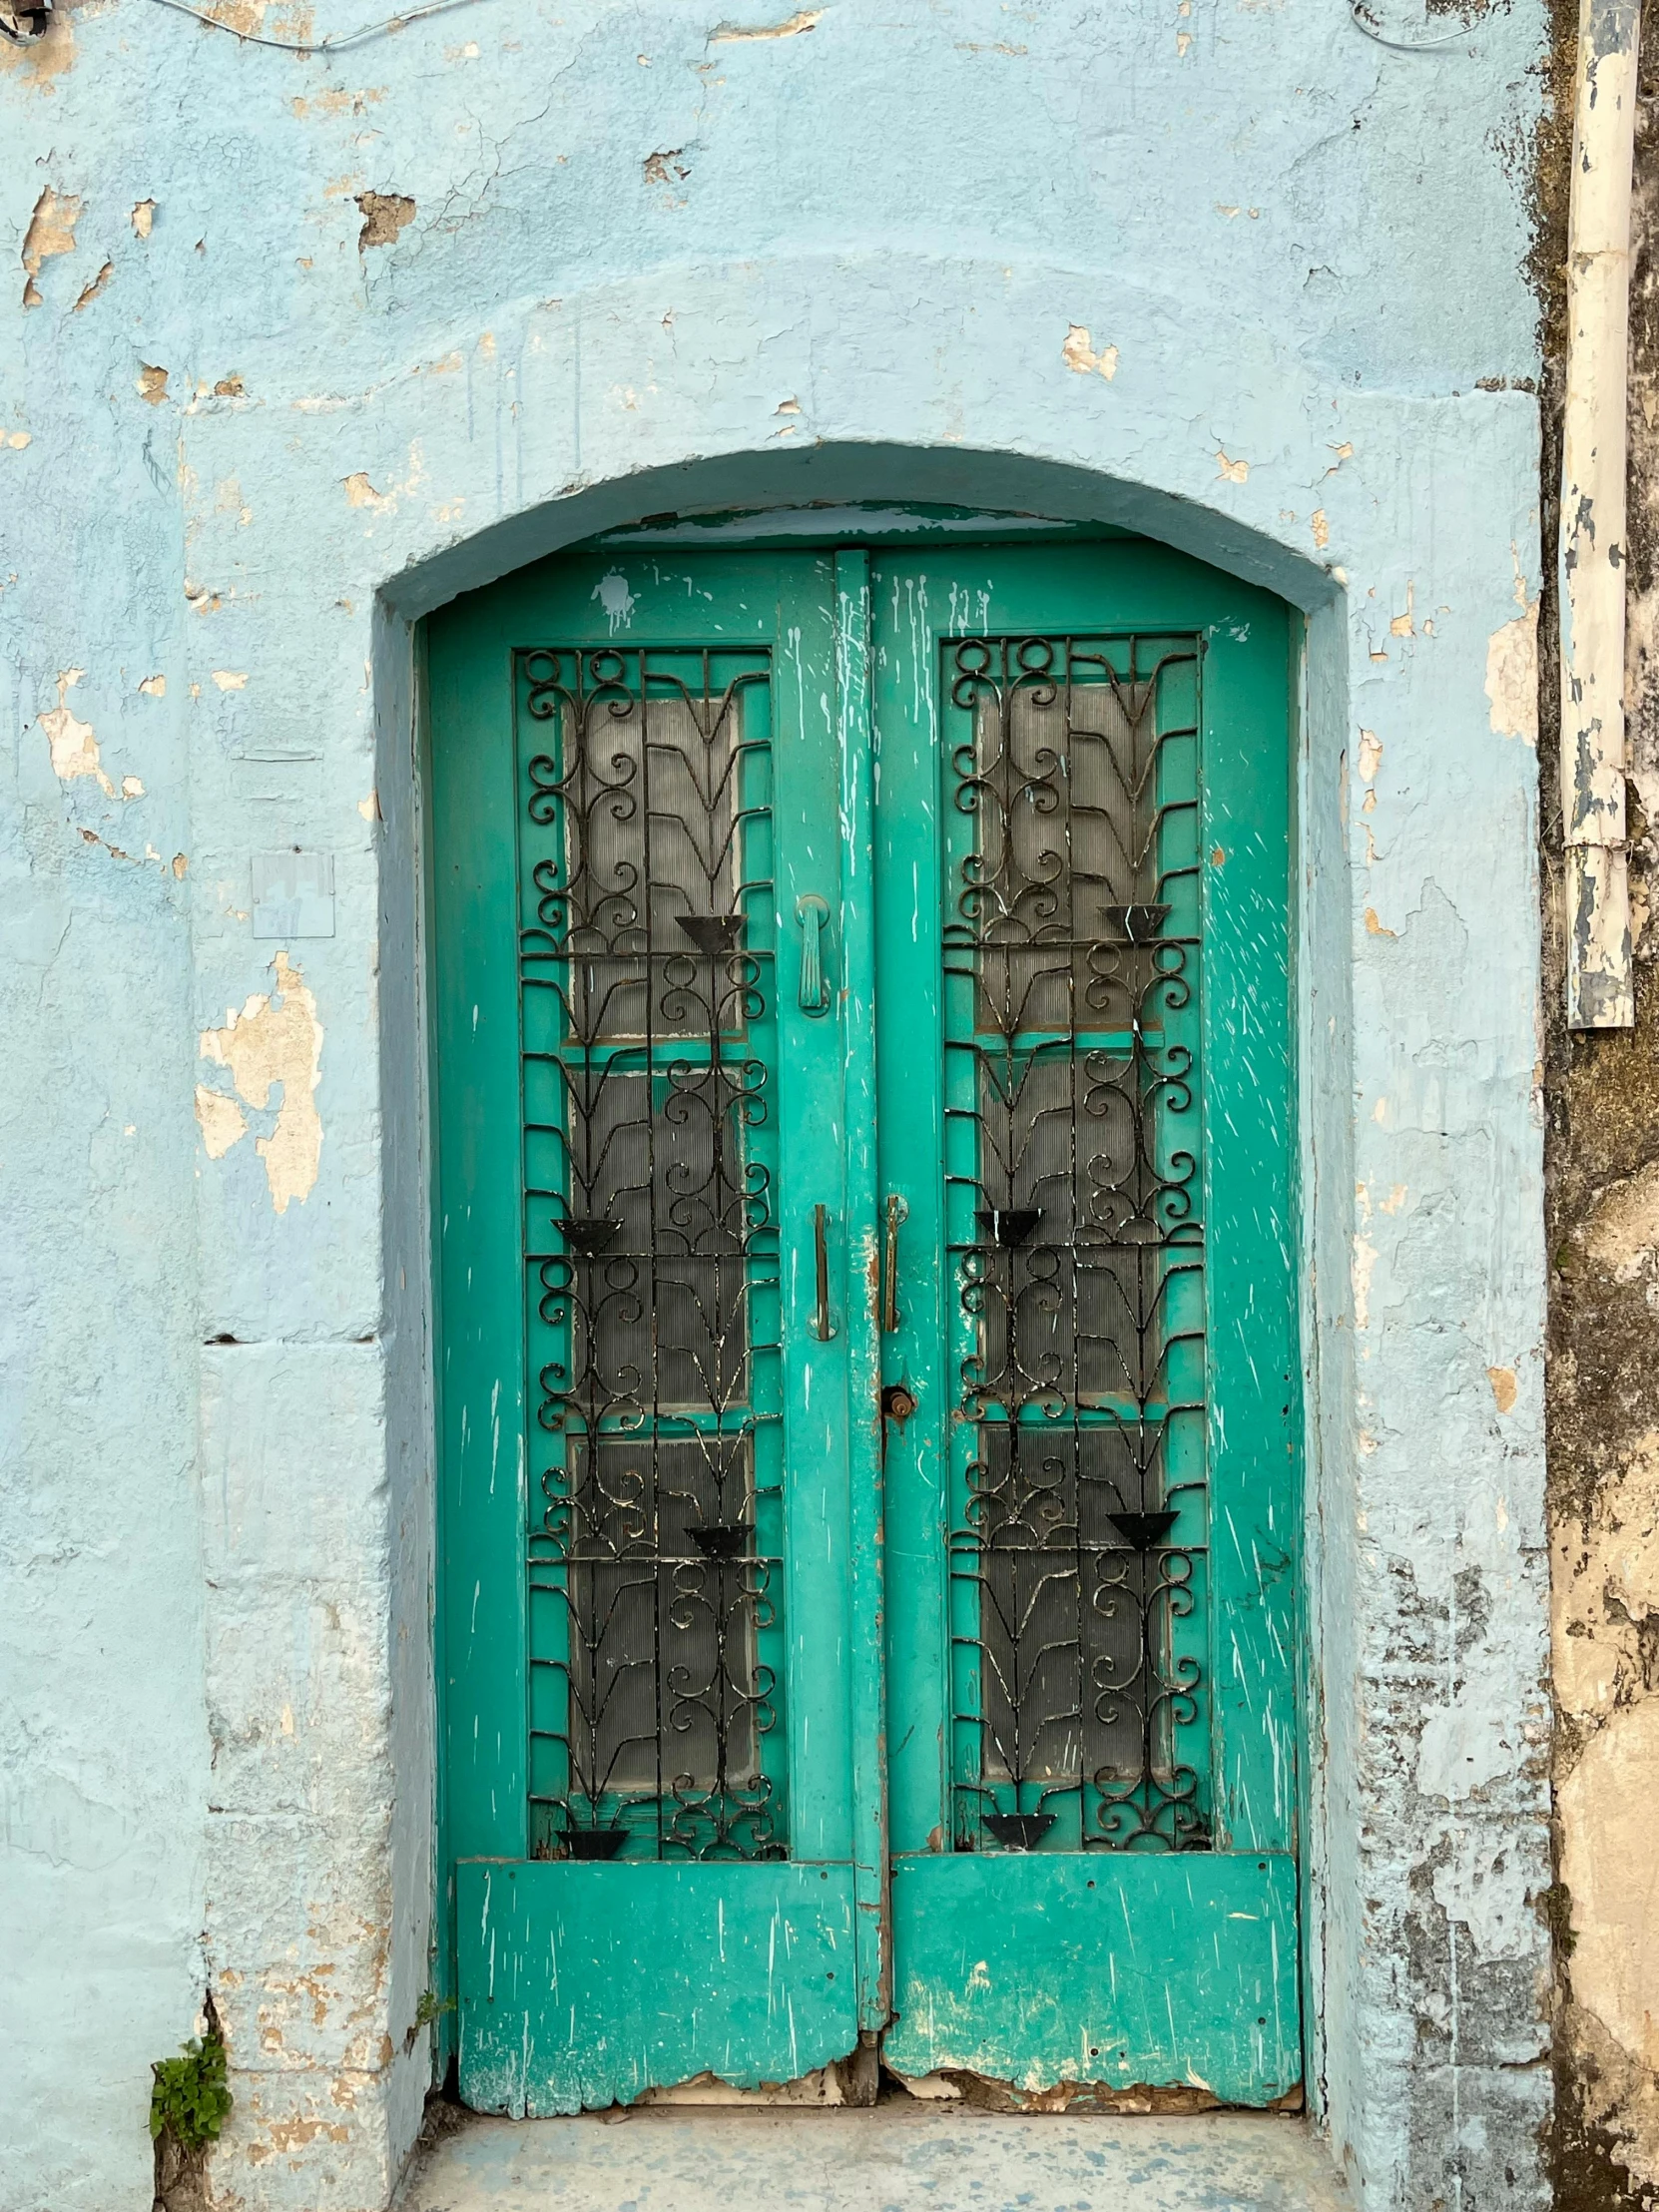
pixel 813 913
pixel 897 1211
pixel 822 1329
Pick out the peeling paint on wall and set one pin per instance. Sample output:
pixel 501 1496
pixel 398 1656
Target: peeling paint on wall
pixel 384 215
pixel 50 231
pixel 276 1039
pixel 1080 357
pixel 803 19
pixel 74 746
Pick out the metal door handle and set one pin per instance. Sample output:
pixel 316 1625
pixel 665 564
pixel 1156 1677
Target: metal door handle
pixel 821 1326
pixel 813 913
pixel 897 1211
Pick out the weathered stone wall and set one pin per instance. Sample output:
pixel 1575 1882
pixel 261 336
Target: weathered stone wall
pixel 1603 1183
pixel 298 346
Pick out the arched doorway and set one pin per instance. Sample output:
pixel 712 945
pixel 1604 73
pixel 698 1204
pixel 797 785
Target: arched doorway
pixel 868 1553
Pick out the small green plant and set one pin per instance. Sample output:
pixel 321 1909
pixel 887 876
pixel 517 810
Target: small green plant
pixel 430 2007
pixel 190 2097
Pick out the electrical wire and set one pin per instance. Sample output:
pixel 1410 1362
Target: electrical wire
pixel 317 45
pixel 1360 16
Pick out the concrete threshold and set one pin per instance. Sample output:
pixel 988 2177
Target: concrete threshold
pixel 901 2156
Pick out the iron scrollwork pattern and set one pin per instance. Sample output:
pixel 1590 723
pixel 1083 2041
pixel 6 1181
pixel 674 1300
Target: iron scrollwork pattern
pixel 646 987
pixel 1074 1219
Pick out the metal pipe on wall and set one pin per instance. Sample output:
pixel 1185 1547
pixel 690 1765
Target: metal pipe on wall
pixel 1600 990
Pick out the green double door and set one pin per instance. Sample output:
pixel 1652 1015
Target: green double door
pixel 866 1322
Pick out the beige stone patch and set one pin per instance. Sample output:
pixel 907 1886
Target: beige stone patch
pixel 276 1038
pixel 1611 1865
pixel 1512 677
pixel 1236 471
pixel 1622 1232
pixel 50 231
pixel 74 747
pixel 152 383
pixel 1504 1387
pixel 144 216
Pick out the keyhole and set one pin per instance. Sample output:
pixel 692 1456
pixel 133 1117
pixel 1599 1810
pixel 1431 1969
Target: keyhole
pixel 897 1404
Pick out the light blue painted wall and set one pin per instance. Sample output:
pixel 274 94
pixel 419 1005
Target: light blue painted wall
pixel 651 264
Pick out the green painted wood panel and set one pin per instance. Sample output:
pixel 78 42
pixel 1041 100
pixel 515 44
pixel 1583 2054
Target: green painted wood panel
pixel 583 1986
pixel 1114 1968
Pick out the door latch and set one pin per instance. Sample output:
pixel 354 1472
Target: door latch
pixel 897 1211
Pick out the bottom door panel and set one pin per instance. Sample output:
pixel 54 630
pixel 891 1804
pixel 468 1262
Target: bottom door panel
pixel 1113 1970
pixel 583 1986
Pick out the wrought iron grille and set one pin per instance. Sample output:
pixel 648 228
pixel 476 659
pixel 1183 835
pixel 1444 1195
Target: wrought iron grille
pixel 646 969
pixel 1074 1221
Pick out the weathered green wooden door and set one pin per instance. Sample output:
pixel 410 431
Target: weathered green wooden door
pixel 1082 1020
pixel 861 1095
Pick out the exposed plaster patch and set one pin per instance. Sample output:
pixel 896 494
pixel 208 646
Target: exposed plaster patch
pixel 384 215
pixel 222 1121
pixel 1405 626
pixel 144 216
pixel 361 492
pixel 50 231
pixel 89 293
pixel 231 679
pixel 1376 928
pixel 341 100
pixel 1236 472
pixel 1321 528
pixel 1370 754
pixel 1364 1267
pixel 734 34
pixel 17 440
pixel 154 687
pixel 1513 675
pixel 1080 357
pixel 276 1038
pixel 1506 1387
pixel 74 747
pixel 152 383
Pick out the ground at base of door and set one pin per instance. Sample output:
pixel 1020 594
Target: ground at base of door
pixel 899 2157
